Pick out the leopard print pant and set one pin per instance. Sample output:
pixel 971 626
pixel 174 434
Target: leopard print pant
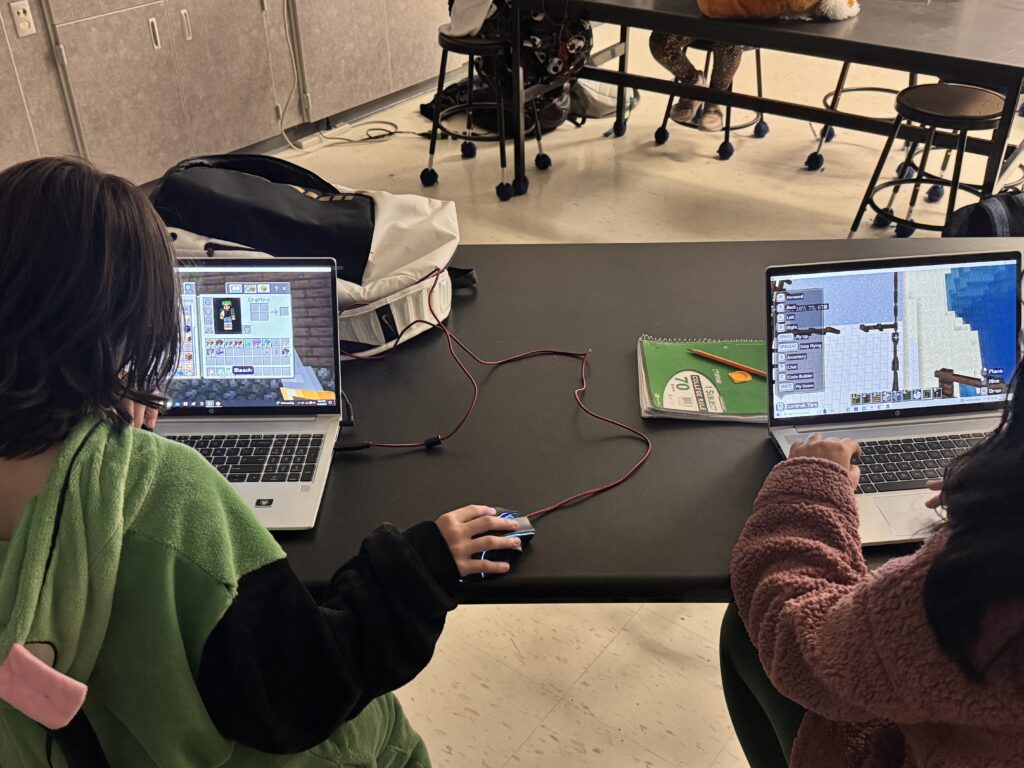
pixel 670 52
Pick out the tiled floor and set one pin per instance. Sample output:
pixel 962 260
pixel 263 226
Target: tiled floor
pixel 614 686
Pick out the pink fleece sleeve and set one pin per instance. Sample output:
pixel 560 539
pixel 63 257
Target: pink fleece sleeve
pixel 804 593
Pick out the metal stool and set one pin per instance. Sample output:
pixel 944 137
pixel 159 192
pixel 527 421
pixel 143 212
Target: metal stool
pixel 955 108
pixel 816 160
pixel 726 149
pixel 484 50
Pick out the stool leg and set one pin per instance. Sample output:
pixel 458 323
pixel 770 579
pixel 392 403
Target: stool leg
pixel 726 150
pixel 661 135
pixel 504 189
pixel 897 123
pixel 954 186
pixel 542 161
pixel 428 176
pixel 907 230
pixel 827 132
pixel 936 191
pixel 468 147
pixel 761 128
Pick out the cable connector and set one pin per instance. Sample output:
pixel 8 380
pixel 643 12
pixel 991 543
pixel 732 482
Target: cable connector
pixel 346 447
pixel 432 442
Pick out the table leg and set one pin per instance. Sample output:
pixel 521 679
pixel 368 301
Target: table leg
pixel 1000 137
pixel 619 129
pixel 520 183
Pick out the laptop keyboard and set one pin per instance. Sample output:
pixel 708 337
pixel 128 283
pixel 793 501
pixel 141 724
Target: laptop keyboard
pixel 908 464
pixel 259 458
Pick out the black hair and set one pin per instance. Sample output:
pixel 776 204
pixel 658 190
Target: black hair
pixel 88 301
pixel 982 565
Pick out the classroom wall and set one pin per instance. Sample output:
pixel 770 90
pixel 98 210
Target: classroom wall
pixel 149 83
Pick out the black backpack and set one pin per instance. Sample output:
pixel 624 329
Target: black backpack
pixel 269 205
pixel 997 216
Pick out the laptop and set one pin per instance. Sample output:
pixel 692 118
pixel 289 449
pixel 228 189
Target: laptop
pixel 258 383
pixel 911 357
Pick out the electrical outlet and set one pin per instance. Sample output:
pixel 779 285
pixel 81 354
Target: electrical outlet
pixel 24 24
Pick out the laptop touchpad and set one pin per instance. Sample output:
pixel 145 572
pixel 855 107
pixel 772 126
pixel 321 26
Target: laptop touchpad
pixel 907 514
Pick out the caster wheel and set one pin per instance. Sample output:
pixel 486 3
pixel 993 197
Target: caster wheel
pixel 883 221
pixel 428 177
pixel 761 129
pixel 815 161
pixel 619 129
pixel 542 161
pixel 661 136
pixel 468 150
pixel 504 191
pixel 905 230
pixel 828 133
pixel 726 150
pixel 935 193
pixel 520 186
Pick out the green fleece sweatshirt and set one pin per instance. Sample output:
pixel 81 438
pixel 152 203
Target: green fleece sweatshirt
pixel 177 608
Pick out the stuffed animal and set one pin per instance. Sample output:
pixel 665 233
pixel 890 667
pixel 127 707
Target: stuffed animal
pixel 831 10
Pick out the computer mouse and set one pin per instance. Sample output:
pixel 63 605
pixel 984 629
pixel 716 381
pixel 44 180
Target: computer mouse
pixel 525 532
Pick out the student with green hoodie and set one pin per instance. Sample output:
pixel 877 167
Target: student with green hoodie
pixel 146 618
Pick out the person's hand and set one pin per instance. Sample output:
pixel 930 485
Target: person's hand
pixel 842 452
pixel 463 531
pixel 141 416
pixel 935 501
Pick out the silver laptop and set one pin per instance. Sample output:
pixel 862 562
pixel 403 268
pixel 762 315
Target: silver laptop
pixel 258 385
pixel 910 357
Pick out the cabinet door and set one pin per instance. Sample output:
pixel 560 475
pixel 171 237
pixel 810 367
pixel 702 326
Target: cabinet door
pixel 126 89
pixel 344 53
pixel 16 140
pixel 412 40
pixel 224 63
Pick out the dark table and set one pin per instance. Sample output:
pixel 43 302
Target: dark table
pixel 975 41
pixel 666 534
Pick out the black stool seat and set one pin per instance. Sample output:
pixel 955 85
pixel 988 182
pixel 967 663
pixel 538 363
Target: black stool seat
pixel 946 105
pixel 471 46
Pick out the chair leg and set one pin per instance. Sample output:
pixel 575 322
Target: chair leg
pixel 954 186
pixel 827 131
pixel 726 149
pixel 906 230
pixel 504 189
pixel 428 176
pixel 661 135
pixel 761 128
pixel 468 147
pixel 542 161
pixel 897 123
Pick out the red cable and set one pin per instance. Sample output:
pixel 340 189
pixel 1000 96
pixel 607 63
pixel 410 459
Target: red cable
pixel 452 339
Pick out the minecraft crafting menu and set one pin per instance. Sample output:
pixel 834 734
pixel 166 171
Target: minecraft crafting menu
pixel 247 332
pixel 799 333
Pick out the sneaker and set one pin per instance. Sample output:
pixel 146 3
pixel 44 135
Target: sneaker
pixel 712 119
pixel 684 110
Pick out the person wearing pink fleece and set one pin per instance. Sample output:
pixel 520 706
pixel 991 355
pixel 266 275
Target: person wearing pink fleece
pixel 918 664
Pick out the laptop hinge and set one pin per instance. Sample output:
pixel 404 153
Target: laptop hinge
pixel 895 423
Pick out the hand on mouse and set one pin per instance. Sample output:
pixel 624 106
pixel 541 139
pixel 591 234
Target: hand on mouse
pixel 463 531
pixel 842 452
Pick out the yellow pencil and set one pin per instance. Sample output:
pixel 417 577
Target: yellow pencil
pixel 730 363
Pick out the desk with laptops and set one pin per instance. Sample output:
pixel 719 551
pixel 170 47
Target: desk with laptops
pixel 666 534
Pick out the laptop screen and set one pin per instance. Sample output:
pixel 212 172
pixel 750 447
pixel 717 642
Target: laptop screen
pixel 873 339
pixel 257 336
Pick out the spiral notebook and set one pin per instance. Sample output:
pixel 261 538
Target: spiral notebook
pixel 676 384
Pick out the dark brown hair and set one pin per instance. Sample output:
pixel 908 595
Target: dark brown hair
pixel 88 301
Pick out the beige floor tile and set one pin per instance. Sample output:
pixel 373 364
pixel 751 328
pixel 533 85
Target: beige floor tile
pixel 731 755
pixel 572 737
pixel 703 619
pixel 472 710
pixel 552 644
pixel 659 683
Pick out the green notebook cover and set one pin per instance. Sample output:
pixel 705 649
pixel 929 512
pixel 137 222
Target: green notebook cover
pixel 682 382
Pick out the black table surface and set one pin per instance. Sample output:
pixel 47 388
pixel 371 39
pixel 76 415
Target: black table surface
pixel 950 37
pixel 666 534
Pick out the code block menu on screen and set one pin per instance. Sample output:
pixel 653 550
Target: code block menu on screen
pixel 799 334
pixel 248 332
